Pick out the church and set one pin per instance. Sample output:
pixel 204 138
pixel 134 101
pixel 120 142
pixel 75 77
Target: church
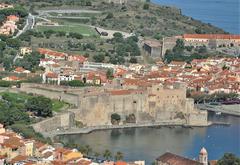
pixel 173 159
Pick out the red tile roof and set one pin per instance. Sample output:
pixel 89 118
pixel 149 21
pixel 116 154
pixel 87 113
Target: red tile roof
pixel 172 159
pixel 19 69
pixel 78 58
pixel 52 75
pixel 212 36
pixel 12 18
pixel 18 159
pixel 52 53
pixel 121 163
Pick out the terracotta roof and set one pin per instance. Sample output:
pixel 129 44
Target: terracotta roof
pixel 213 162
pixel 13 78
pixel 121 163
pixel 13 142
pixel 52 75
pixel 12 18
pixel 63 150
pixel 173 159
pixel 18 159
pixel 19 69
pixel 51 53
pixel 3 157
pixel 78 58
pixel 58 163
pixel 212 36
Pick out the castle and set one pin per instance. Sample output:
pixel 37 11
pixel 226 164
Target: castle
pixel 118 1
pixel 154 104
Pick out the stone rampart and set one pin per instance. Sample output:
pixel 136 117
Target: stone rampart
pixel 52 93
pixel 94 108
pixel 61 121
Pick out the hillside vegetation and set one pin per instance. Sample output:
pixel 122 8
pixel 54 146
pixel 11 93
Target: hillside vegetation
pixel 144 18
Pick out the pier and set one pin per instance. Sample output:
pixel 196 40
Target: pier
pixel 226 109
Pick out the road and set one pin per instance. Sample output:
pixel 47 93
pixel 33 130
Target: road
pixel 29 25
pixel 43 12
pixel 30 22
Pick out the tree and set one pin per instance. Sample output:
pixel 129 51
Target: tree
pixel 117 37
pixel 146 6
pixel 2 45
pixel 133 60
pixel 96 154
pixel 109 15
pixel 30 62
pixel 118 156
pixel 88 149
pixel 4 83
pixel 42 106
pixel 75 35
pixel 13 43
pixel 90 46
pixel 76 83
pixel 202 49
pixel 115 118
pixel 88 3
pixel 107 154
pixel 179 47
pixel 229 159
pixel 99 57
pixel 109 73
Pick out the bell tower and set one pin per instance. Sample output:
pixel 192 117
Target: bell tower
pixel 203 156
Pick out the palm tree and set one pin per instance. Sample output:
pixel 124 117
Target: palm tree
pixel 88 150
pixel 96 154
pixel 107 154
pixel 118 156
pixel 82 149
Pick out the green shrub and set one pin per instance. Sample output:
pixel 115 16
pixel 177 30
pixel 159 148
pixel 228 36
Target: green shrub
pixel 5 83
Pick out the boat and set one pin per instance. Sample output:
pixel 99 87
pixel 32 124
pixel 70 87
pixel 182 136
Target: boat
pixel 218 113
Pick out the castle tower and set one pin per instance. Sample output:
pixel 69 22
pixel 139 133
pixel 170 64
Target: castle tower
pixel 118 1
pixel 203 156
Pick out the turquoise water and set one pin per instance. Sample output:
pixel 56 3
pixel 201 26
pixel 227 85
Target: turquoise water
pixel 149 143
pixel 222 13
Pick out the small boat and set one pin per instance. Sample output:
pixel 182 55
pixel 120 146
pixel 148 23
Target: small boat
pixel 218 113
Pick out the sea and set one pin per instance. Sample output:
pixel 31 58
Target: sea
pixel 221 13
pixel 149 143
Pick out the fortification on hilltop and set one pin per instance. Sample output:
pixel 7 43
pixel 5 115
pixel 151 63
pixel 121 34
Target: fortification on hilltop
pixel 152 104
pixel 118 1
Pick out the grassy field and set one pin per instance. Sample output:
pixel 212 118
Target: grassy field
pixel 58 105
pixel 22 97
pixel 81 29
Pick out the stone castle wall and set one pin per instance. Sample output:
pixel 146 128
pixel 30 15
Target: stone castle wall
pixel 154 105
pixel 52 93
pixel 162 105
pixel 62 121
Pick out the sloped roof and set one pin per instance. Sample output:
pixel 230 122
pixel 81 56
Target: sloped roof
pixel 212 36
pixel 173 159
